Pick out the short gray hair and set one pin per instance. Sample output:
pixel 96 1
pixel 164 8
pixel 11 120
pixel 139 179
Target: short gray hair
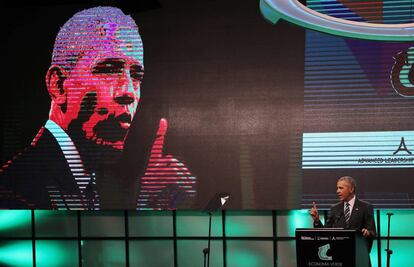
pixel 350 180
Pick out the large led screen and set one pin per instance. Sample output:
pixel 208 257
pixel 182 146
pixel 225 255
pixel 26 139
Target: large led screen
pixel 170 104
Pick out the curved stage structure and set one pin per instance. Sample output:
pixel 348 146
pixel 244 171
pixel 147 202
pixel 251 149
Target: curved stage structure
pixel 294 12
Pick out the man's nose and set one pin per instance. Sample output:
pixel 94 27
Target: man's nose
pixel 125 93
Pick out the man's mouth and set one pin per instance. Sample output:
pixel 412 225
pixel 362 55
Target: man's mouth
pixel 125 125
pixel 113 129
pixel 125 120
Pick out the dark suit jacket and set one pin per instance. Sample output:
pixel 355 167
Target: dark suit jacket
pixel 40 177
pixel 362 216
pixel 26 180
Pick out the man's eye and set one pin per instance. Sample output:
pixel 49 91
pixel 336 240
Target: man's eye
pixel 108 67
pixel 136 72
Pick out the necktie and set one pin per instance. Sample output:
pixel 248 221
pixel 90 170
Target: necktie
pixel 347 212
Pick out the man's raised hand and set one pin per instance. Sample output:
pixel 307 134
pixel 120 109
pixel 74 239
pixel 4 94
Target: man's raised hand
pixel 314 212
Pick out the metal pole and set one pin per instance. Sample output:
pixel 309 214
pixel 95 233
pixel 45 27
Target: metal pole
pixel 206 251
pixel 388 250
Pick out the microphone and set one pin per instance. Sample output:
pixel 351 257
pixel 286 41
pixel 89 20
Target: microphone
pixel 332 220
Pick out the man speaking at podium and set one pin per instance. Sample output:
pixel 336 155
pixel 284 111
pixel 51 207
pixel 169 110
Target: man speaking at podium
pixel 350 213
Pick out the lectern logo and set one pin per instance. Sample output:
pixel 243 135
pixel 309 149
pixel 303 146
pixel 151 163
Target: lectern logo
pixel 322 252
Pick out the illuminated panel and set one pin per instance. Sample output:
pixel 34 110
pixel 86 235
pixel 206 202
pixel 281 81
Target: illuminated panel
pixel 242 253
pixel 288 221
pixel 103 223
pixel 402 252
pixel 195 223
pixel 150 223
pixel 374 255
pixel 15 223
pixel 52 223
pixel 151 253
pixel 190 253
pixel 358 150
pixel 398 220
pixel 286 253
pixel 103 253
pixel 16 253
pixel 56 253
pixel 244 224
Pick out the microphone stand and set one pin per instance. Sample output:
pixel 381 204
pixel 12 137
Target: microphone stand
pixel 388 250
pixel 332 220
pixel 216 203
pixel 206 251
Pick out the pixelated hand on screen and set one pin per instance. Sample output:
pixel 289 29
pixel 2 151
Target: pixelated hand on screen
pixel 167 182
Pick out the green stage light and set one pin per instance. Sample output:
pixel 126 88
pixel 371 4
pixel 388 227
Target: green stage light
pixel 289 221
pixel 245 223
pixel 400 218
pixel 245 258
pixel 299 218
pixel 234 228
pixel 16 253
pixel 49 253
pixel 10 219
pixel 56 253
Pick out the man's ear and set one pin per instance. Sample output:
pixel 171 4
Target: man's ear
pixel 55 77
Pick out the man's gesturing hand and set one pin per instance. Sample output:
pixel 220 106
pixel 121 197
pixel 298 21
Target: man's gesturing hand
pixel 314 212
pixel 366 232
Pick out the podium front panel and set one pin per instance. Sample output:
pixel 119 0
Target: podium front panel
pixel 326 247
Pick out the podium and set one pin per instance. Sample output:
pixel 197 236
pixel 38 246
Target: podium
pixel 331 247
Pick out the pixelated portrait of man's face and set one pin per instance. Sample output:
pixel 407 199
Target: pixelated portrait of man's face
pixel 103 92
pixel 103 82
